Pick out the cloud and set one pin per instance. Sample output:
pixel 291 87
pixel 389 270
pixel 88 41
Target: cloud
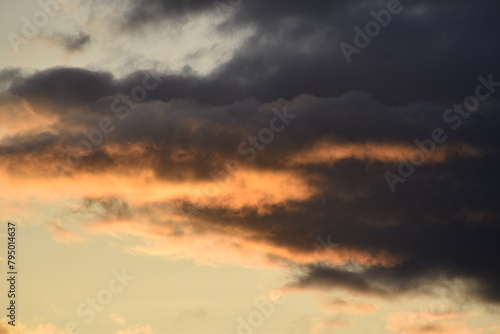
pixel 428 323
pixel 350 306
pixel 323 174
pixel 174 168
pixel 76 43
pixel 64 87
pixel 8 75
pixel 70 43
pixel 206 167
pixel 395 67
pixel 145 11
pixel 116 318
pixel 63 235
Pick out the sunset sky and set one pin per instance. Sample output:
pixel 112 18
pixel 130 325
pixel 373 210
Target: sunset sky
pixel 250 166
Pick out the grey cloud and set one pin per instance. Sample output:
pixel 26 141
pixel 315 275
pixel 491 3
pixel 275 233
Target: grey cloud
pixel 76 43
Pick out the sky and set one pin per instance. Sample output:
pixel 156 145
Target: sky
pixel 250 167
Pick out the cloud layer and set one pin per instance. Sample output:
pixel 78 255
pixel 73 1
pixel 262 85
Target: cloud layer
pixel 283 144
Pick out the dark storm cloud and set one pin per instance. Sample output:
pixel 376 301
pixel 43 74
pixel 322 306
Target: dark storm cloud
pixel 64 87
pixel 146 11
pixel 443 221
pixel 431 51
pixel 8 75
pixel 426 223
pixel 187 122
pixel 435 251
pixel 76 86
pixel 433 55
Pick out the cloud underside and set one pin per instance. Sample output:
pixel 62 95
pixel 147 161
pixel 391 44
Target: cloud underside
pixel 183 171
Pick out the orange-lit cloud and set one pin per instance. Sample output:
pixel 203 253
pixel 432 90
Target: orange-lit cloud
pixel 429 323
pixel 117 318
pixel 64 235
pixel 223 245
pixel 325 152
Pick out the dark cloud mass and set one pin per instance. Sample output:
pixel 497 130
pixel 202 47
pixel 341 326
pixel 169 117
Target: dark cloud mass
pixel 443 221
pixel 144 11
pixel 430 51
pixel 64 86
